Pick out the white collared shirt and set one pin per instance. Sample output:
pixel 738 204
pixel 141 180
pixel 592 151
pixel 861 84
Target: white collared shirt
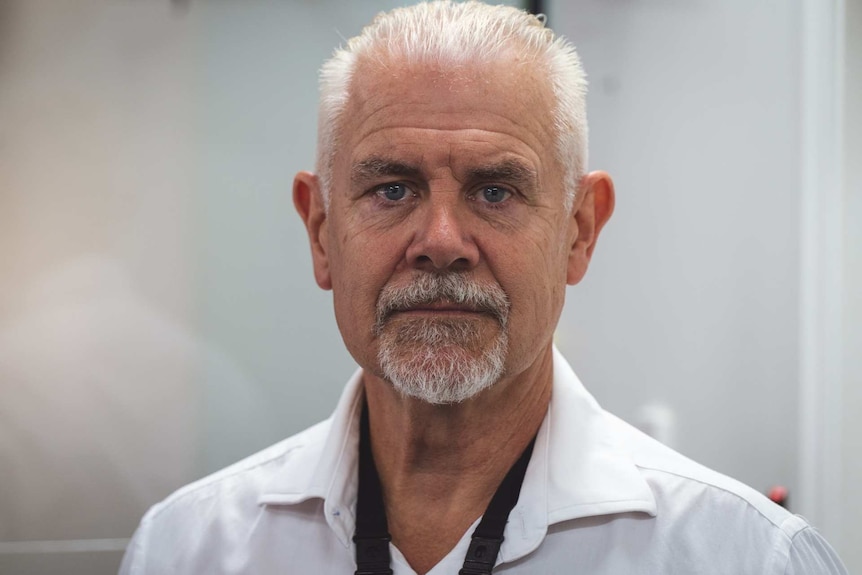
pixel 599 498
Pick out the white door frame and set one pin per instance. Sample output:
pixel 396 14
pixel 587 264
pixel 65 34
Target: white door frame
pixel 821 275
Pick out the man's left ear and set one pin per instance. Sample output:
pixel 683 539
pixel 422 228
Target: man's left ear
pixel 593 208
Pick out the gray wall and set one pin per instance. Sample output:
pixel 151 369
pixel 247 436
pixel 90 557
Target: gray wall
pixel 692 301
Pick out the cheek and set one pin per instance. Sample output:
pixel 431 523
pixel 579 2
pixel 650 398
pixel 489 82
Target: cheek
pixel 548 257
pixel 362 264
pixel 354 291
pixel 534 277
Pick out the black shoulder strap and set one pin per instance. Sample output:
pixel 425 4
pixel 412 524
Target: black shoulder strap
pixel 488 536
pixel 372 531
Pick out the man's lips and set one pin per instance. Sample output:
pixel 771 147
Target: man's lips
pixel 432 296
pixel 439 308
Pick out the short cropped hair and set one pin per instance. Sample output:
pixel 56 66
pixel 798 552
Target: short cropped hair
pixel 447 32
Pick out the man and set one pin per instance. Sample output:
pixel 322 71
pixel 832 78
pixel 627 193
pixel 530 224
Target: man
pixel 450 210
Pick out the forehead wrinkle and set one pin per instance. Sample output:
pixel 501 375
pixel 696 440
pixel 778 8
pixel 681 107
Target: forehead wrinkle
pixel 410 139
pixel 369 102
pixel 380 86
pixel 466 119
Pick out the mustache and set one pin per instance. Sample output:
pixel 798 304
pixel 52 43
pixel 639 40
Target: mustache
pixel 429 288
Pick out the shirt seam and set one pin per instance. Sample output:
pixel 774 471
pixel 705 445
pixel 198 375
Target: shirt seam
pixel 779 526
pixel 189 490
pixel 791 541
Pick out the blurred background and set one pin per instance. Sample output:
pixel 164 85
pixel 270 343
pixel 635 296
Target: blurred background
pixel 158 314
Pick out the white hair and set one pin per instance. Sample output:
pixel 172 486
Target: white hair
pixel 447 32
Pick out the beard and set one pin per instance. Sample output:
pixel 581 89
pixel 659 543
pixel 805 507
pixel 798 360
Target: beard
pixel 441 360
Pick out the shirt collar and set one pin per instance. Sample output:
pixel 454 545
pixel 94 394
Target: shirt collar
pixel 323 465
pixel 579 467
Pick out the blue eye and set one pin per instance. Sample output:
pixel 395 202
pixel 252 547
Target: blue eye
pixel 393 192
pixel 494 194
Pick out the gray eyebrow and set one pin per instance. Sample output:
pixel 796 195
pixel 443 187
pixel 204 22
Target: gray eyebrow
pixel 505 171
pixel 377 166
pixel 512 171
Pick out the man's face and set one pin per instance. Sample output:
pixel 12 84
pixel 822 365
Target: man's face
pixel 444 175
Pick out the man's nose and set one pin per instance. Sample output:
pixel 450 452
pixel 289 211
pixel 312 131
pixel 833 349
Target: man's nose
pixel 442 240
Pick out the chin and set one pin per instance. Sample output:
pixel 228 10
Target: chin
pixel 442 374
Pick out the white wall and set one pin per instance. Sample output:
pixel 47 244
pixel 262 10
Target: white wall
pixel 692 298
pixel 851 433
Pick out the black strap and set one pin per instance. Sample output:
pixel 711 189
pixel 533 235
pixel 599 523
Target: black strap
pixel 488 536
pixel 372 531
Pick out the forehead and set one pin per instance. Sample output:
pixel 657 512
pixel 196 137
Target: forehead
pixel 503 106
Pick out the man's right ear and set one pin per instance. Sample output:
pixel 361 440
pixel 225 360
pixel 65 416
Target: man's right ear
pixel 308 199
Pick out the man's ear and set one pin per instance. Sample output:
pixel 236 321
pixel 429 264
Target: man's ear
pixel 308 199
pixel 593 208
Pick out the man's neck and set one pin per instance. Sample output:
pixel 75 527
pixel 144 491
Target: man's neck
pixel 439 466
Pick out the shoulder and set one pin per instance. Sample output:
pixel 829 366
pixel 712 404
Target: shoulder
pixel 670 473
pixel 699 508
pixel 246 480
pixel 218 511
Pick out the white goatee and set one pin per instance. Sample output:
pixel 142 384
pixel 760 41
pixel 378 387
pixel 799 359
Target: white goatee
pixel 441 360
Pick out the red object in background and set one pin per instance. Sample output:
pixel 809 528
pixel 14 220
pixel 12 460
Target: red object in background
pixel 779 495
